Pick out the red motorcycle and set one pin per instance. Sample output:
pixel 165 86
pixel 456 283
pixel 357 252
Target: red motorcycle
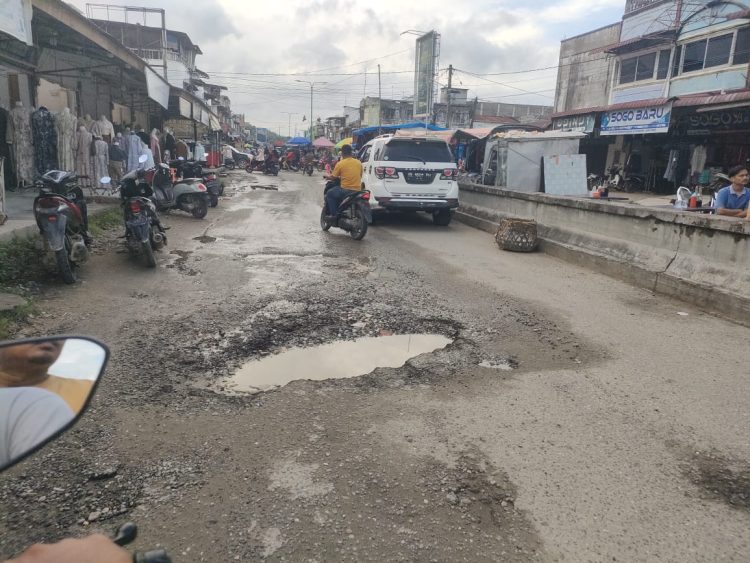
pixel 60 213
pixel 269 165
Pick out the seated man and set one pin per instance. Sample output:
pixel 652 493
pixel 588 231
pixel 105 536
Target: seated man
pixel 349 171
pixel 733 200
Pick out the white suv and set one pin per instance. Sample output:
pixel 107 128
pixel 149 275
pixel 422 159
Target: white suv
pixel 411 173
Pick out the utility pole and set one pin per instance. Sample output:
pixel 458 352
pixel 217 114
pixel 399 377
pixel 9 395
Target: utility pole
pixel 380 104
pixel 474 111
pixel 289 114
pixel 312 85
pixel 450 85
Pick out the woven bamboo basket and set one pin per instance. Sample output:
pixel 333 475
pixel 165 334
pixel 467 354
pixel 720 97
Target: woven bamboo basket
pixel 517 235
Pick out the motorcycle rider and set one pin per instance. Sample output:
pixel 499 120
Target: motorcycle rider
pixel 349 171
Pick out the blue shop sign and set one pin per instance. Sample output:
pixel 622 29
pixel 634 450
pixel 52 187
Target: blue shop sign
pixel 652 119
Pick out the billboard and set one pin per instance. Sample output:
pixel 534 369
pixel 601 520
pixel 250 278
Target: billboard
pixel 425 66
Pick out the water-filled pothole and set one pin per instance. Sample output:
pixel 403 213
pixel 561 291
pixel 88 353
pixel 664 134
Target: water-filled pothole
pixel 338 360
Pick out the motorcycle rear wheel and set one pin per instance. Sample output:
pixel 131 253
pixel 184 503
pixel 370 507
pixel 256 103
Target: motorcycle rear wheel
pixel 214 200
pixel 64 266
pixel 359 223
pixel 200 209
pixel 148 253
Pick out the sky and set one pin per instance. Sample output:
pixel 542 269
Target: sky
pixel 259 50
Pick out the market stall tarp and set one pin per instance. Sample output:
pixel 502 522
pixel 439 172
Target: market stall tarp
pixel 342 142
pixel 298 141
pixel 323 143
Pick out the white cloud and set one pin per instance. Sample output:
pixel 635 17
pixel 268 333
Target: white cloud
pixel 483 36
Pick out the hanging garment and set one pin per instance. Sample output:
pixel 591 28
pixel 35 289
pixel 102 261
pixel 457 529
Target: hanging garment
pixel 83 155
pixel 169 142
pixel 181 149
pixel 5 152
pixel 155 149
pixel 65 123
pixel 200 152
pixel 150 157
pixel 670 172
pixel 103 128
pixel 45 140
pixel 19 135
pixel 101 161
pixel 698 159
pixel 133 151
pixel 86 122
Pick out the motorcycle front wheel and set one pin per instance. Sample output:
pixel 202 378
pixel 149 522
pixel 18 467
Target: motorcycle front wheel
pixel 325 224
pixel 359 223
pixel 148 254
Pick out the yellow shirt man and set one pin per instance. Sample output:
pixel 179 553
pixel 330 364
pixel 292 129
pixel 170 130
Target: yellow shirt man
pixel 349 169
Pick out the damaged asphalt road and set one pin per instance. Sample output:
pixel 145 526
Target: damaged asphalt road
pixel 561 423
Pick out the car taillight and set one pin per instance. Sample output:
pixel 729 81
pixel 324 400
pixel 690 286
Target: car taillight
pixel 383 172
pixel 391 173
pixel 449 174
pixel 201 188
pixel 135 206
pixel 380 172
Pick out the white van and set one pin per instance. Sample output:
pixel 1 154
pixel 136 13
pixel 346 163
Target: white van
pixel 411 173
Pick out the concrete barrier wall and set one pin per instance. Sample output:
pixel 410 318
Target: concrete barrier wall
pixel 703 259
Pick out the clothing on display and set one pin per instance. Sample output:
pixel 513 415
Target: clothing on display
pixel 133 150
pixel 155 146
pixel 103 128
pixel 149 157
pixel 101 161
pixel 5 152
pixel 169 142
pixel 671 171
pixel 65 124
pixel 19 135
pixel 181 149
pixel 83 155
pixel 199 153
pixel 698 159
pixel 86 121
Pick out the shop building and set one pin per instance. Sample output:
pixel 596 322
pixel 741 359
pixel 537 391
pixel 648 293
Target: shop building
pixel 676 87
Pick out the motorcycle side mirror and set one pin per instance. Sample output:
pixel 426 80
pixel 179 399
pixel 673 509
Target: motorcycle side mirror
pixel 105 180
pixel 143 158
pixel 46 385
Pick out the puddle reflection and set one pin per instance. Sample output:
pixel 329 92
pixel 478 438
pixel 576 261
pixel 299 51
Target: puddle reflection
pixel 338 360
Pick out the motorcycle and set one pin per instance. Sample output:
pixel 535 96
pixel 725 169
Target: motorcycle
pixel 269 165
pixel 353 214
pixel 620 180
pixel 189 195
pixel 192 169
pixel 291 161
pixel 144 232
pixel 49 415
pixel 60 214
pixel 308 167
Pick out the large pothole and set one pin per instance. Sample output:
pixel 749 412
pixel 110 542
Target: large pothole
pixel 337 360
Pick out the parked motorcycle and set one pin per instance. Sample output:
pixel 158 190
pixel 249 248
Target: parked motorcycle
pixel 189 194
pixel 46 416
pixel 192 169
pixel 620 180
pixel 353 214
pixel 60 213
pixel 144 232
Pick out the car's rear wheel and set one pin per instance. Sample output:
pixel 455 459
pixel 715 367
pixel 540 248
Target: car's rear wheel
pixel 442 218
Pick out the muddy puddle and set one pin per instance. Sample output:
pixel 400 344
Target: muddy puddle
pixel 338 360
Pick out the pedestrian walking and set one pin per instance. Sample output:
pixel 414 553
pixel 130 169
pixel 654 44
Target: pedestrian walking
pixel 116 159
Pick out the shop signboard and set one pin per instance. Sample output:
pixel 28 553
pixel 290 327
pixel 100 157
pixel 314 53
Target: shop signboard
pixel 651 119
pixel 716 121
pixel 425 63
pixel 583 123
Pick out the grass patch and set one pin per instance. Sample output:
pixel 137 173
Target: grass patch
pixel 100 222
pixel 21 260
pixel 9 320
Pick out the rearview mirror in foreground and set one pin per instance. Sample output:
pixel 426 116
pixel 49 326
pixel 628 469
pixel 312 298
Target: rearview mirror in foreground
pixel 45 386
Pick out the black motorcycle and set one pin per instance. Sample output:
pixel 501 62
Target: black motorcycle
pixel 60 213
pixel 353 214
pixel 144 232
